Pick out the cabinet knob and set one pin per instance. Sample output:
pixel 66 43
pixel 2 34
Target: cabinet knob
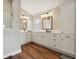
pixel 54 39
pixel 61 39
pixel 61 32
pixel 67 36
pixel 54 35
pixel 54 45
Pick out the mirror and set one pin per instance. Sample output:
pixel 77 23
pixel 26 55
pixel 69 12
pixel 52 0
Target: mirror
pixel 24 22
pixel 47 23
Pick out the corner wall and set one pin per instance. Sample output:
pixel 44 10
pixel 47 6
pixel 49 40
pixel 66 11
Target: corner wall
pixel 12 37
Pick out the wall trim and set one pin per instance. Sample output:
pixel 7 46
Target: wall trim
pixel 13 53
pixel 26 43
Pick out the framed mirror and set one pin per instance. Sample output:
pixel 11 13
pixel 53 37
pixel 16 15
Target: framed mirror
pixel 47 23
pixel 24 19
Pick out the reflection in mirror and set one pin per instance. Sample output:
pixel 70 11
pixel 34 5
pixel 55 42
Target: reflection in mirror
pixel 7 14
pixel 24 23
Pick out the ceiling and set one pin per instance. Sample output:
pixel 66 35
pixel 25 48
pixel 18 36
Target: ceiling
pixel 37 6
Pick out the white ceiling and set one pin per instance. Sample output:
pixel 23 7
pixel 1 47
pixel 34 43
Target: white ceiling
pixel 37 6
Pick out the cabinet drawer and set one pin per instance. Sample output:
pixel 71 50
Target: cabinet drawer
pixel 54 46
pixel 54 39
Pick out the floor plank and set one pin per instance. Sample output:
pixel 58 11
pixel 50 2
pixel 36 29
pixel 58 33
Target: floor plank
pixel 33 51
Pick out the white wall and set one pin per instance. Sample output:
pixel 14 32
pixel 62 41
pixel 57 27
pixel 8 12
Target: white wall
pixel 67 17
pixel 11 42
pixel 56 20
pixel 12 38
pixel 37 20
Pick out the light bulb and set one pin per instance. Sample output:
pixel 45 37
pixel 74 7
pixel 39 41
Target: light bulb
pixel 24 17
pixel 42 15
pixel 45 14
pixel 50 13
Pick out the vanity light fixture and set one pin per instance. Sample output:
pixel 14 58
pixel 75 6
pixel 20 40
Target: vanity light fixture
pixel 50 13
pixel 24 17
pixel 42 15
pixel 46 14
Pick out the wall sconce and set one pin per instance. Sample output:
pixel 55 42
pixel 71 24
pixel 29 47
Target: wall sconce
pixel 50 13
pixel 24 17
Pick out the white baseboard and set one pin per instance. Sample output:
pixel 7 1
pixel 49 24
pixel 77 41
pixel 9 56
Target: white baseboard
pixel 13 53
pixel 26 42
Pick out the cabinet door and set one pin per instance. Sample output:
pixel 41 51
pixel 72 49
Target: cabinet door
pixel 45 39
pixel 68 44
pixel 37 37
pixel 41 38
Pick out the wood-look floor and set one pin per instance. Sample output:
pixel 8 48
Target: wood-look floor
pixel 33 51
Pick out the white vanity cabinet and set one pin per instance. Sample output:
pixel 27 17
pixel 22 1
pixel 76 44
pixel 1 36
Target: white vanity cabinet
pixel 36 37
pixel 26 37
pixel 68 43
pixel 64 43
pixel 50 40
